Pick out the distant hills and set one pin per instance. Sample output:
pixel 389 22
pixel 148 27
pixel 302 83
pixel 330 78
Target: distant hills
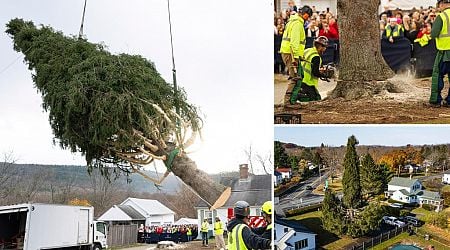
pixel 63 174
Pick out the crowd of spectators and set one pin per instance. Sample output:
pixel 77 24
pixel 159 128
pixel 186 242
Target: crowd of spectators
pixel 415 24
pixel 321 23
pixel 176 233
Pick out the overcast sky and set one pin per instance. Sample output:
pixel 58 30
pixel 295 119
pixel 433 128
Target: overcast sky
pixel 367 135
pixel 223 53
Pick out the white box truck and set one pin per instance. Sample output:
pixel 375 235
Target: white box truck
pixel 35 226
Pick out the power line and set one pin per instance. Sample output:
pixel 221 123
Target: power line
pixel 9 65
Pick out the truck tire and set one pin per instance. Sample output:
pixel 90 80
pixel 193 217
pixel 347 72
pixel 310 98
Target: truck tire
pixel 97 247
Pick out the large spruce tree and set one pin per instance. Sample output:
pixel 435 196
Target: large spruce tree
pixel 115 109
pixel 371 177
pixel 351 179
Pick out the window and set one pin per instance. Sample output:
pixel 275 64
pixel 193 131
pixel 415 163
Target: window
pixel 258 211
pixel 101 227
pixel 286 229
pixel 206 214
pixel 301 244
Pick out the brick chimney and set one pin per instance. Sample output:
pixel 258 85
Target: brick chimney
pixel 243 171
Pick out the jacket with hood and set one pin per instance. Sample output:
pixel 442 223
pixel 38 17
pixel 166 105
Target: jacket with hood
pixel 251 240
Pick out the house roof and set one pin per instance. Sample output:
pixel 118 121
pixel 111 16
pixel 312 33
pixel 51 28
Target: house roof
pixel 255 190
pixel 131 212
pixel 429 195
pixel 151 207
pixel 297 226
pixel 284 170
pixel 404 192
pixel 402 182
pixel 276 173
pixel 116 213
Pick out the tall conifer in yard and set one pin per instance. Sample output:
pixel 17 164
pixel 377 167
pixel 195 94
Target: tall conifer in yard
pixel 351 179
pixel 371 182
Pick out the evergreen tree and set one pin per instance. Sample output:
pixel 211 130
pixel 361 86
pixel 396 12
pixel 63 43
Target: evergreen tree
pixel 332 217
pixel 351 179
pixel 293 162
pixel 281 158
pixel 371 176
pixel 114 109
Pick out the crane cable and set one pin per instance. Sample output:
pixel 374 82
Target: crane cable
pixel 80 33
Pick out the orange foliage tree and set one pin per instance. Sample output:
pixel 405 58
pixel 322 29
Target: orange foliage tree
pixel 79 202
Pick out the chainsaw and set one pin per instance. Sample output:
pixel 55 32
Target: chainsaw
pixel 328 72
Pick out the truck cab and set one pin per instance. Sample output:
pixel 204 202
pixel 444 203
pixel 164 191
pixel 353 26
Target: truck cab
pixel 100 235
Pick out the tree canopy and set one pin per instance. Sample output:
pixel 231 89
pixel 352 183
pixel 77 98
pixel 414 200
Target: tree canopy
pixel 114 109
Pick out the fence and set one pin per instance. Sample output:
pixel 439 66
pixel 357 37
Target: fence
pixel 378 239
pixel 122 235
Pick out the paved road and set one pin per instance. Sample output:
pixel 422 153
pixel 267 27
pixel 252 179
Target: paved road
pixel 301 197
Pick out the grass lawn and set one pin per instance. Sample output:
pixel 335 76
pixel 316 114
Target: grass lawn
pixel 336 186
pixel 324 238
pixel 420 212
pixel 404 238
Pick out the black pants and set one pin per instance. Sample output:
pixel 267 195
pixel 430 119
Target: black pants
pixel 308 93
pixel 205 238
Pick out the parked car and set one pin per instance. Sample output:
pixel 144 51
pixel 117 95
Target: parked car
pixel 412 221
pixel 396 205
pixel 391 220
pixel 309 187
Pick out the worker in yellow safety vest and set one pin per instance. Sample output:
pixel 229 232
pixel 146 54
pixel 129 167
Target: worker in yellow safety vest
pixel 266 213
pixel 292 49
pixel 393 30
pixel 313 70
pixel 189 234
pixel 240 236
pixel 218 231
pixel 204 230
pixel 441 32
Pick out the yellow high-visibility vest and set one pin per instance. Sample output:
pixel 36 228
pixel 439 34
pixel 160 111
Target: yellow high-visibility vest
pixel 308 78
pixel 235 239
pixel 294 38
pixel 443 40
pixel 395 32
pixel 205 227
pixel 218 230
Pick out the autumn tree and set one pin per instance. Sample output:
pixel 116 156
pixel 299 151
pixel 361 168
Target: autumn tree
pixel 351 179
pixel 362 69
pixel 116 110
pixel 395 159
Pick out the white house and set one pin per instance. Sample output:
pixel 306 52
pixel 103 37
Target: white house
pixel 286 173
pixel 277 178
pixel 290 234
pixel 254 189
pixel 408 190
pixel 123 215
pixel 446 177
pixel 149 212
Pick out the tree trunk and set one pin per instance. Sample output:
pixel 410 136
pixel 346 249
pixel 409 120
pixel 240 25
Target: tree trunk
pixel 186 169
pixel 362 68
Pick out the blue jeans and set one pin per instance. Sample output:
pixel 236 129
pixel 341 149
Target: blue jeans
pixel 205 238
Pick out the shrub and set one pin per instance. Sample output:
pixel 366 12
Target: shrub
pixel 437 219
pixel 428 207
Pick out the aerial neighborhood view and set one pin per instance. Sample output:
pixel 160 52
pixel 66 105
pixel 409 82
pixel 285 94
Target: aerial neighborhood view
pixel 363 191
